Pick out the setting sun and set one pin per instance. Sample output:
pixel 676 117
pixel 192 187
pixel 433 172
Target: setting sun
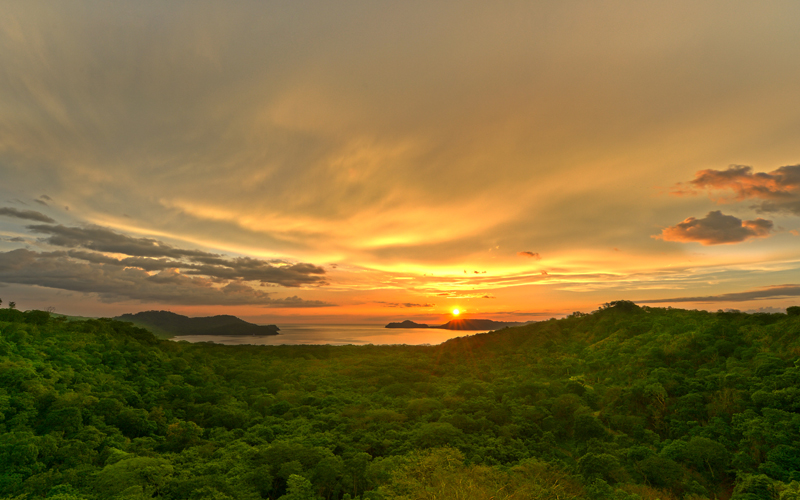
pixel 456 312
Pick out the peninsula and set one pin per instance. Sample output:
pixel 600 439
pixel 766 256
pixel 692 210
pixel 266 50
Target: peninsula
pixel 461 324
pixel 168 324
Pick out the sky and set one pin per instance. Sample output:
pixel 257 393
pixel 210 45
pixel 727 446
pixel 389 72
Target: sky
pixel 363 162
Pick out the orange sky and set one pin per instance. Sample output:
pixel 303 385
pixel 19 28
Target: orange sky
pixel 366 162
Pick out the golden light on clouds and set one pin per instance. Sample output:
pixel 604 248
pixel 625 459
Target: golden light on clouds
pixel 516 159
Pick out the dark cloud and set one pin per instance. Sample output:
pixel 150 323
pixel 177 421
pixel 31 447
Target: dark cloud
pixel 114 283
pixel 41 202
pixel 533 255
pixel 45 197
pixel 716 228
pixel 104 240
pixel 153 255
pixel 25 214
pixel 770 292
pixel 780 189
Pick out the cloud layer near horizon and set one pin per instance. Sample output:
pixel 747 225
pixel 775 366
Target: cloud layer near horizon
pixel 113 283
pixel 769 292
pixel 118 267
pixel 153 255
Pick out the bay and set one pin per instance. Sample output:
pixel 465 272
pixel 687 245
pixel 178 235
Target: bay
pixel 337 334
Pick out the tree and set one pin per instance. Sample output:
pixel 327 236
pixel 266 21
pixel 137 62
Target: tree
pixel 143 475
pixel 706 455
pixel 600 466
pixel 753 487
pixel 12 305
pixel 299 488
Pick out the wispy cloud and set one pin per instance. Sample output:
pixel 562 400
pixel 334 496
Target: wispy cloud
pixel 403 304
pixel 25 214
pixel 769 292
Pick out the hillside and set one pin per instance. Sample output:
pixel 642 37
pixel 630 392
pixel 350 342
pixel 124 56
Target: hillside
pixel 167 324
pixel 476 324
pixel 624 403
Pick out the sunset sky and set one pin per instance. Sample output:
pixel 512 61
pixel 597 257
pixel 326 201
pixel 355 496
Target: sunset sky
pixel 363 162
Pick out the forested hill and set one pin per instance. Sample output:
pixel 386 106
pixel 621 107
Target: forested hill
pixel 169 324
pixel 476 324
pixel 623 403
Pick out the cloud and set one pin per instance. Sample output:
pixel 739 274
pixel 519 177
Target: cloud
pixel 104 240
pixel 716 228
pixel 116 283
pixel 780 189
pixel 403 304
pixel 533 255
pixel 153 255
pixel 25 214
pixel 769 292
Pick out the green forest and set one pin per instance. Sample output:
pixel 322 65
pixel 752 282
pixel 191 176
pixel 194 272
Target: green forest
pixel 626 402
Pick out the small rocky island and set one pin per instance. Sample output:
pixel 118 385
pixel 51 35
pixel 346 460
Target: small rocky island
pixel 406 324
pixel 169 324
pixel 460 324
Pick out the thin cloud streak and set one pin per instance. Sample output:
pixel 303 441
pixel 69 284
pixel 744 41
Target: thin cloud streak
pixel 770 292
pixel 25 214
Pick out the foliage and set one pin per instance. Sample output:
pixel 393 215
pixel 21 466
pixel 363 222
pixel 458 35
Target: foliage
pixel 627 402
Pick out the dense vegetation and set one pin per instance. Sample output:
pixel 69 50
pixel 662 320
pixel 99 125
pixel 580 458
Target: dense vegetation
pixel 624 403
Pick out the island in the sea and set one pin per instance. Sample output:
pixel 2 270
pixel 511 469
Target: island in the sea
pixel 406 324
pixel 461 324
pixel 169 324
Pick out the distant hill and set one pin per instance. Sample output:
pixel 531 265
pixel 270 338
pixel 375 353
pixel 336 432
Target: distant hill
pixel 169 324
pixel 460 324
pixel 477 324
pixel 406 324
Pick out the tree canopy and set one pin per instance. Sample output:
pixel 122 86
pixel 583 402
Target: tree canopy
pixel 626 402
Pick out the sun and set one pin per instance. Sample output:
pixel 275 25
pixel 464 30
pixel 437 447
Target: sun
pixel 456 312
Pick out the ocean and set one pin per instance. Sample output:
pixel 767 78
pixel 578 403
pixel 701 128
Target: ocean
pixel 338 334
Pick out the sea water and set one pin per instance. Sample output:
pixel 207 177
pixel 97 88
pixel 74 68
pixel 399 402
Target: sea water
pixel 337 334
